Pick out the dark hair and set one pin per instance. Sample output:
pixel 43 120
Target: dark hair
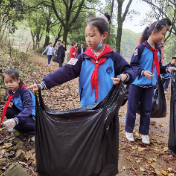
pixel 100 23
pixel 157 26
pixel 73 43
pixel 173 57
pixel 50 43
pixel 167 21
pixel 63 42
pixel 13 73
pixel 59 40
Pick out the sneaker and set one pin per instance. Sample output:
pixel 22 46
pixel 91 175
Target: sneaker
pixel 33 138
pixel 129 136
pixel 165 91
pixel 145 139
pixel 48 64
pixel 53 63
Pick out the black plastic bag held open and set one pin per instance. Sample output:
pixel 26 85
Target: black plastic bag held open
pixel 79 142
pixel 172 133
pixel 158 102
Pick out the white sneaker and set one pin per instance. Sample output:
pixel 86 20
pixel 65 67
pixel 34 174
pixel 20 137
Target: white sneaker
pixel 145 139
pixel 33 138
pixel 48 64
pixel 129 136
pixel 165 91
pixel 53 63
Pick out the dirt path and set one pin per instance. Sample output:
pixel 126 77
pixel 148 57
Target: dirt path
pixel 134 158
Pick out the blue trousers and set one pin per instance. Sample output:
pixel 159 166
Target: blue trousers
pixel 144 96
pixel 49 58
pixel 28 126
pixel 166 83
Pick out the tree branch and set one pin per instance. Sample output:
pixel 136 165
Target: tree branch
pixel 127 9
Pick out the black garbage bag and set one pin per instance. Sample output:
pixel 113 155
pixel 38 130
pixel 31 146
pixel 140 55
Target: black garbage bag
pixel 55 59
pixel 158 102
pixel 172 131
pixel 79 142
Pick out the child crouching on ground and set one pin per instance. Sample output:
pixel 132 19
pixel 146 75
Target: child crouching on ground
pixel 20 106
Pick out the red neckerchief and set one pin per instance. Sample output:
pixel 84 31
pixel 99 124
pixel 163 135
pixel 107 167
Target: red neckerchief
pixel 97 61
pixel 155 60
pixel 7 103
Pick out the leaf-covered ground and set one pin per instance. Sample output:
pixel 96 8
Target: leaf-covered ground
pixel 134 158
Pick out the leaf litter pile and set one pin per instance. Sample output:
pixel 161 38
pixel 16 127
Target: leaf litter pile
pixel 134 158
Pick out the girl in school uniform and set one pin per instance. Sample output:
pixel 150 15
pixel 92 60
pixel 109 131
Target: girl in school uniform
pixel 20 106
pixel 98 68
pixel 146 62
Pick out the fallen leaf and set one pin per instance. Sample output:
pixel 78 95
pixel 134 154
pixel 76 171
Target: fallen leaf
pixel 142 169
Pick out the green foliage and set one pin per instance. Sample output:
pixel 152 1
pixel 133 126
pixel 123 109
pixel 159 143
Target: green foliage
pixel 169 49
pixel 128 44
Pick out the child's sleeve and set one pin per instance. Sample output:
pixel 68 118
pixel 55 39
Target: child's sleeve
pixel 64 74
pixel 136 59
pixel 121 66
pixel 27 107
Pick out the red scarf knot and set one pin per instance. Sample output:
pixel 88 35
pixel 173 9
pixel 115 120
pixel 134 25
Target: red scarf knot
pixel 155 60
pixel 94 77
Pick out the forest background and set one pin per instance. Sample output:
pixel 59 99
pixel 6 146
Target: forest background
pixel 33 24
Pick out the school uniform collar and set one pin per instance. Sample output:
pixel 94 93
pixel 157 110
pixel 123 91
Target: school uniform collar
pixel 106 53
pixel 148 45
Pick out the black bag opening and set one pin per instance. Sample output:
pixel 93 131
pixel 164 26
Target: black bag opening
pixel 79 142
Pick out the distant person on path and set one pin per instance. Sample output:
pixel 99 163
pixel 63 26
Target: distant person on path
pixel 166 77
pixel 49 52
pixel 73 50
pixel 61 53
pixel 57 45
pixel 81 49
pixel 20 106
pixel 161 44
pixel 146 62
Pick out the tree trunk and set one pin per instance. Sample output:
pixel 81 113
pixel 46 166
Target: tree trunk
pixel 65 35
pixel 112 7
pixel 47 37
pixel 120 25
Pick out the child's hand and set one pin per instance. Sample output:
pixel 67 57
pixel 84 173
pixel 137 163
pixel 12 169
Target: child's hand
pixel 10 105
pixel 42 53
pixel 10 123
pixel 148 74
pixel 169 69
pixel 115 81
pixel 35 88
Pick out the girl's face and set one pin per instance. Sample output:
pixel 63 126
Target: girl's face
pixel 93 36
pixel 158 36
pixel 11 84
